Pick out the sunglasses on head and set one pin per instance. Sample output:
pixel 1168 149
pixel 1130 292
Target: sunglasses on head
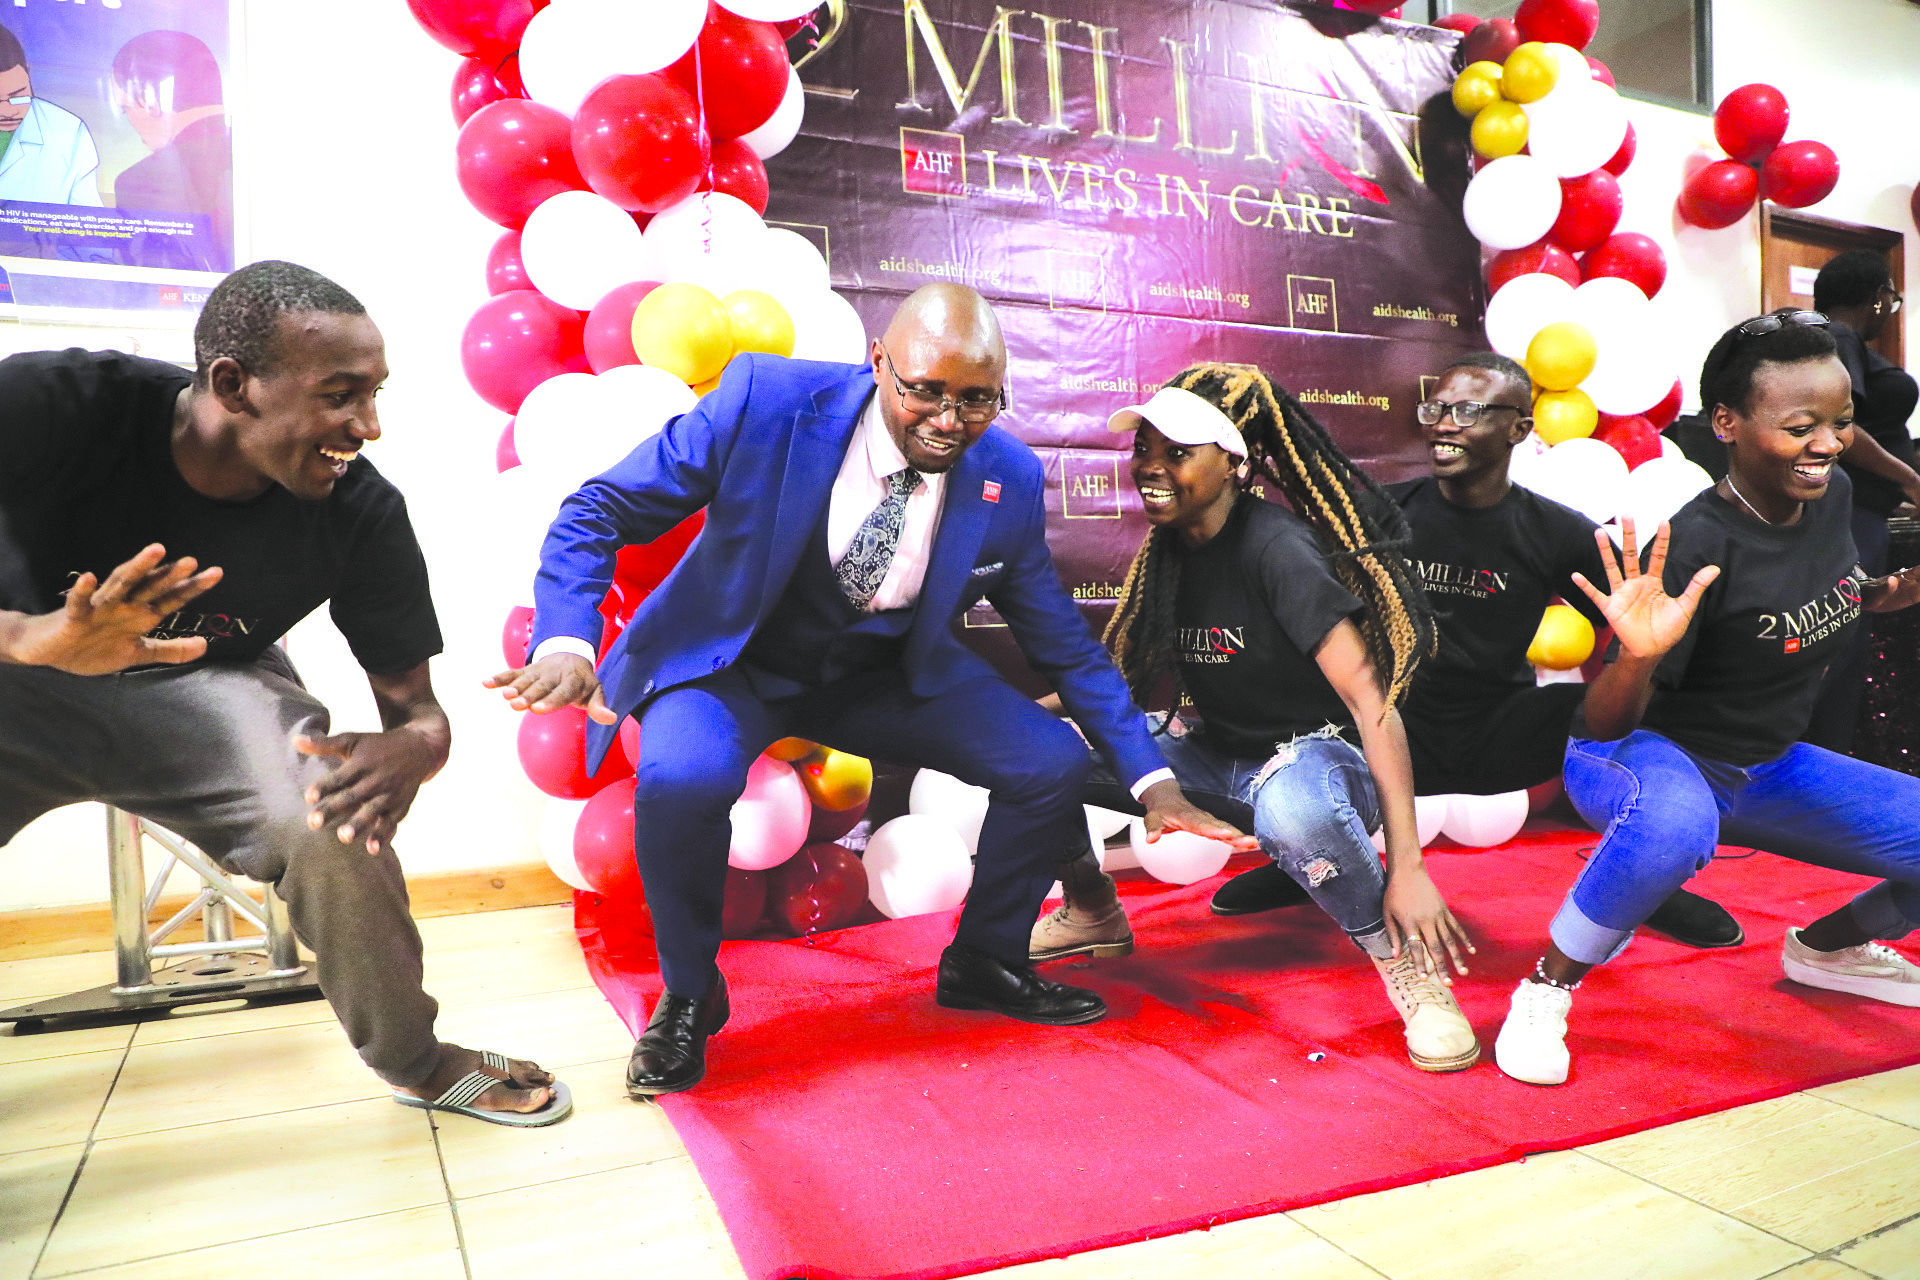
pixel 1781 319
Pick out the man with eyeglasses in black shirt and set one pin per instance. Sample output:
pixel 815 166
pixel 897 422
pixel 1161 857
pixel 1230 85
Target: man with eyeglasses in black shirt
pixel 1493 555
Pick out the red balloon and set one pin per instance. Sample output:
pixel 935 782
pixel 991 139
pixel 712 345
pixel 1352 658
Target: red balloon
pixel 505 270
pixel 474 87
pixel 739 173
pixel 1543 256
pixel 505 456
pixel 1719 195
pixel 553 751
pixel 1589 210
pixel 485 29
pixel 630 741
pixel 1663 414
pixel 1378 8
pixel 744 903
pixel 1750 121
pixel 736 72
pixel 793 26
pixel 1569 22
pixel 821 887
pixel 603 847
pixel 516 635
pixel 639 569
pixel 508 72
pixel 1631 256
pixel 1461 22
pixel 638 142
pixel 1632 438
pixel 1541 795
pixel 517 341
pixel 608 336
pixel 513 154
pixel 1490 41
pixel 1799 173
pixel 1624 156
pixel 829 824
pixel 1602 72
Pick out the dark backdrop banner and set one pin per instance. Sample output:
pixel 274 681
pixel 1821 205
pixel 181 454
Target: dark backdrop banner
pixel 1140 185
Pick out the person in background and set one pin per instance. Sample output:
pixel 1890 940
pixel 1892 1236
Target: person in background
pixel 1691 737
pixel 167 84
pixel 1294 630
pixel 47 154
pixel 1491 555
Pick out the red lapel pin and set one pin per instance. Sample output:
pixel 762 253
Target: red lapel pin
pixel 990 491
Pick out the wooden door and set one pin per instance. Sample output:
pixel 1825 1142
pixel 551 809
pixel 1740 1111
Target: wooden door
pixel 1795 245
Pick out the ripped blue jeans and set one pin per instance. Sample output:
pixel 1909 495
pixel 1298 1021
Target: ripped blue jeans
pixel 1311 805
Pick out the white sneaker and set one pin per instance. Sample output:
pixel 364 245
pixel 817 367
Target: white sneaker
pixel 1439 1038
pixel 1533 1041
pixel 1870 969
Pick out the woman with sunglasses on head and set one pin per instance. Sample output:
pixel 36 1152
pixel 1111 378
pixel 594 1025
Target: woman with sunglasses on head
pixel 1691 736
pixel 1294 630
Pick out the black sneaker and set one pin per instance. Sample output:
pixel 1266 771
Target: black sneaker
pixel 1261 889
pixel 1695 921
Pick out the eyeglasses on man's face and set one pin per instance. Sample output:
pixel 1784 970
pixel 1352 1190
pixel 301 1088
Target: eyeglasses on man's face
pixel 1465 412
pixel 974 408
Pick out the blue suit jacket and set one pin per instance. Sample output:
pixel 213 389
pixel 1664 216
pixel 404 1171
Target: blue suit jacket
pixel 760 453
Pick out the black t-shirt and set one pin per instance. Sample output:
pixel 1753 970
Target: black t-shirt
pixel 1741 685
pixel 1490 572
pixel 1884 395
pixel 1254 604
pixel 89 480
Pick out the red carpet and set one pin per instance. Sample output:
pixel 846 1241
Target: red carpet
pixel 849 1127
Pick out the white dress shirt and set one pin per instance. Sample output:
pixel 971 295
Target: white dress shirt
pixel 51 159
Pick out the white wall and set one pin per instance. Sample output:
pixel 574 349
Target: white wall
pixel 350 162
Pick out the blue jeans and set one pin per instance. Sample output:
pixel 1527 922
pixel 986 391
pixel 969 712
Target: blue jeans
pixel 1312 806
pixel 1662 810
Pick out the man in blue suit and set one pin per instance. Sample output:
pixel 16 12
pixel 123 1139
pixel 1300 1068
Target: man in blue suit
pixel 853 514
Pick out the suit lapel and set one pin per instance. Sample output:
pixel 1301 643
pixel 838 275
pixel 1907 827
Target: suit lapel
pixel 963 526
pixel 814 454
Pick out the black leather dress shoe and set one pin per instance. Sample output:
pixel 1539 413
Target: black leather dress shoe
pixel 1261 889
pixel 972 979
pixel 671 1054
pixel 1695 921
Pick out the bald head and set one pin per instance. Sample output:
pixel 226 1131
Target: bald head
pixel 942 347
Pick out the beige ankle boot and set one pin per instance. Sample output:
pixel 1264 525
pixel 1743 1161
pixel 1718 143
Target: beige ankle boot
pixel 1090 922
pixel 1439 1038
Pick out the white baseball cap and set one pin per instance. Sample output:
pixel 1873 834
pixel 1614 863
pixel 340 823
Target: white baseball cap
pixel 1183 418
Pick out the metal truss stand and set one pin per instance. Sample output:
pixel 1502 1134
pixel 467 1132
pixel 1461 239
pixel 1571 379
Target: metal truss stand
pixel 263 968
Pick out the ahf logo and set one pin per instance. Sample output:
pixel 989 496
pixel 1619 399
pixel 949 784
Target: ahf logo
pixel 933 163
pixel 1311 305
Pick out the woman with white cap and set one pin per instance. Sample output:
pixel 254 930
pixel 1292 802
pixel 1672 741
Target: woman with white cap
pixel 1293 631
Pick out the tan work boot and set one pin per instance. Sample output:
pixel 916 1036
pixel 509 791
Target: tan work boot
pixel 1439 1038
pixel 1090 922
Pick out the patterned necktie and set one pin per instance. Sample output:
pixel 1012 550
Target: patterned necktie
pixel 864 567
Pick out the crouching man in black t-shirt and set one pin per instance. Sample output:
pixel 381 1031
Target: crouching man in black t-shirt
pixel 1492 555
pixel 167 530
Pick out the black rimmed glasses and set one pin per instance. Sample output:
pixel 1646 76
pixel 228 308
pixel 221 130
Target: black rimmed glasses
pixel 1465 412
pixel 1781 319
pixel 974 409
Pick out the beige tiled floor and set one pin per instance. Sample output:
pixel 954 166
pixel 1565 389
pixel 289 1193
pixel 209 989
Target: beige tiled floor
pixel 250 1142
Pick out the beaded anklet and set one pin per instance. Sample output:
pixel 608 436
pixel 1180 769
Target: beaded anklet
pixel 1540 975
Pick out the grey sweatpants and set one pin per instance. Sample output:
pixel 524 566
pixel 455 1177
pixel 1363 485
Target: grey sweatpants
pixel 206 752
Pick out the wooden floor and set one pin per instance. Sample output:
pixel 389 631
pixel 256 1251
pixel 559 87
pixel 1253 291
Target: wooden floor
pixel 252 1141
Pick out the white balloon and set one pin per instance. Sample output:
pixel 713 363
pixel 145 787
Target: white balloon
pixel 1659 487
pixel 580 425
pixel 1525 456
pixel 1575 129
pixel 784 263
pixel 770 818
pixel 1512 202
pixel 1585 474
pixel 1668 449
pixel 572 45
pixel 1428 813
pixel 960 806
pixel 771 138
pixel 710 239
pixel 916 865
pixel 578 247
pixel 1120 857
pixel 549 416
pixel 826 327
pixel 557 822
pixel 770 10
pixel 520 507
pixel 1574 67
pixel 1480 822
pixel 1178 857
pixel 1523 307
pixel 1105 823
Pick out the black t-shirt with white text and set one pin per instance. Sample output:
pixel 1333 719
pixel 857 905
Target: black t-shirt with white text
pixel 89 479
pixel 1490 573
pixel 1254 604
pixel 1741 685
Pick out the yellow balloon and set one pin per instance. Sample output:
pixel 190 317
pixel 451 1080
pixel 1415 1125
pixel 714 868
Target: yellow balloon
pixel 1499 130
pixel 1561 356
pixel 685 330
pixel 791 749
pixel 759 323
pixel 1564 415
pixel 1564 640
pixel 837 781
pixel 1529 74
pixel 1477 88
pixel 701 388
